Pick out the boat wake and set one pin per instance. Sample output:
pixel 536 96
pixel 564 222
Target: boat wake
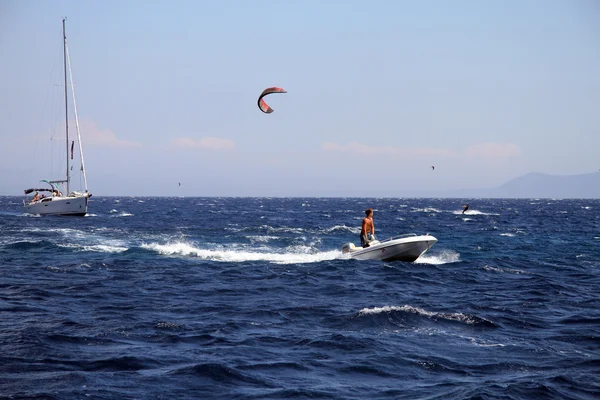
pixel 295 255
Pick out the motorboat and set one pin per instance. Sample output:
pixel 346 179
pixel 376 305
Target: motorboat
pixel 406 247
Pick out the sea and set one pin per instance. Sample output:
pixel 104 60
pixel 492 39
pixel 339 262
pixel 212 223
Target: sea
pixel 252 298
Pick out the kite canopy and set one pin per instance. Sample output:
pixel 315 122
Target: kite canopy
pixel 264 107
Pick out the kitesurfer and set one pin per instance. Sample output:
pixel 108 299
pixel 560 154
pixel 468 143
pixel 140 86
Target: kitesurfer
pixel 367 231
pixel 465 207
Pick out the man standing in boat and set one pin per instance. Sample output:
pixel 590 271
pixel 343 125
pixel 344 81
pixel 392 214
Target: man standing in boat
pixel 367 231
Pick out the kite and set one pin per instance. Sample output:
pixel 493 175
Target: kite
pixel 432 167
pixel 264 107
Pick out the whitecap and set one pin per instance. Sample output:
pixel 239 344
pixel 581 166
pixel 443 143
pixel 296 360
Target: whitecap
pixel 261 238
pixel 459 317
pixel 351 229
pixel 124 214
pixel 472 212
pixel 506 270
pixel 100 248
pixel 427 210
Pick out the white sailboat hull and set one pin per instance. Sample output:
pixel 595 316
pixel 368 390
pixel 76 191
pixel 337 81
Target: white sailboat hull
pixel 402 248
pixel 70 205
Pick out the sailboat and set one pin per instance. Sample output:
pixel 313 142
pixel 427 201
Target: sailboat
pixel 60 198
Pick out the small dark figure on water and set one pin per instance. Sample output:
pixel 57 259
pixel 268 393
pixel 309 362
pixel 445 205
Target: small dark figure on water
pixel 367 231
pixel 465 207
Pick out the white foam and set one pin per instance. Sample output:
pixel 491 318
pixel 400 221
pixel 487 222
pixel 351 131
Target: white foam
pixel 352 229
pixel 284 229
pixel 299 254
pixel 100 248
pixel 507 234
pixel 30 215
pixel 472 212
pixel 444 257
pixel 123 214
pixel 508 270
pixel 460 317
pixel 261 238
pixel 427 210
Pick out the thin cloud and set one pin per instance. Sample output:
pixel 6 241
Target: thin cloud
pixel 208 143
pixel 94 136
pixel 493 150
pixel 359 148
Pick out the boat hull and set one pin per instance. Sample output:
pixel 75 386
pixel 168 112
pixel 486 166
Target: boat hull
pixel 74 206
pixel 406 249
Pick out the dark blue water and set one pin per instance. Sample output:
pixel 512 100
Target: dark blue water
pixel 250 298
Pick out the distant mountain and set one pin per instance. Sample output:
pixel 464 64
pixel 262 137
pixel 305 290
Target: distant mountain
pixel 537 185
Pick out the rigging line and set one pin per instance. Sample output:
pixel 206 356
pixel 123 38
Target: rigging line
pixel 47 114
pixel 76 116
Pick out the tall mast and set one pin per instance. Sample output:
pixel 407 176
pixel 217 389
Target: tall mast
pixel 66 103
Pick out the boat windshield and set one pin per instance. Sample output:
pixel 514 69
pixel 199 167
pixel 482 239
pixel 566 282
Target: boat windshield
pixel 406 235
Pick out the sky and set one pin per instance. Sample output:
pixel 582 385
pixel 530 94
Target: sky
pixel 377 93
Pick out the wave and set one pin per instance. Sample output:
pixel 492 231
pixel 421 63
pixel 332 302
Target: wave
pixel 472 212
pixel 508 270
pixel 30 245
pixel 101 248
pixel 29 215
pixel 355 230
pixel 121 214
pixel 467 319
pixel 427 210
pixel 294 255
pixel 444 257
pixel 219 373
pixel 261 238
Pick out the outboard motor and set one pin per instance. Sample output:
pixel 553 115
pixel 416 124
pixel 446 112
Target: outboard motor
pixel 348 247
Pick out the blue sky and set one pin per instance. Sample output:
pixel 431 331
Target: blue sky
pixel 378 91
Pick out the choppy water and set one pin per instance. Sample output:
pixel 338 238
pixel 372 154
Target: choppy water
pixel 250 298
